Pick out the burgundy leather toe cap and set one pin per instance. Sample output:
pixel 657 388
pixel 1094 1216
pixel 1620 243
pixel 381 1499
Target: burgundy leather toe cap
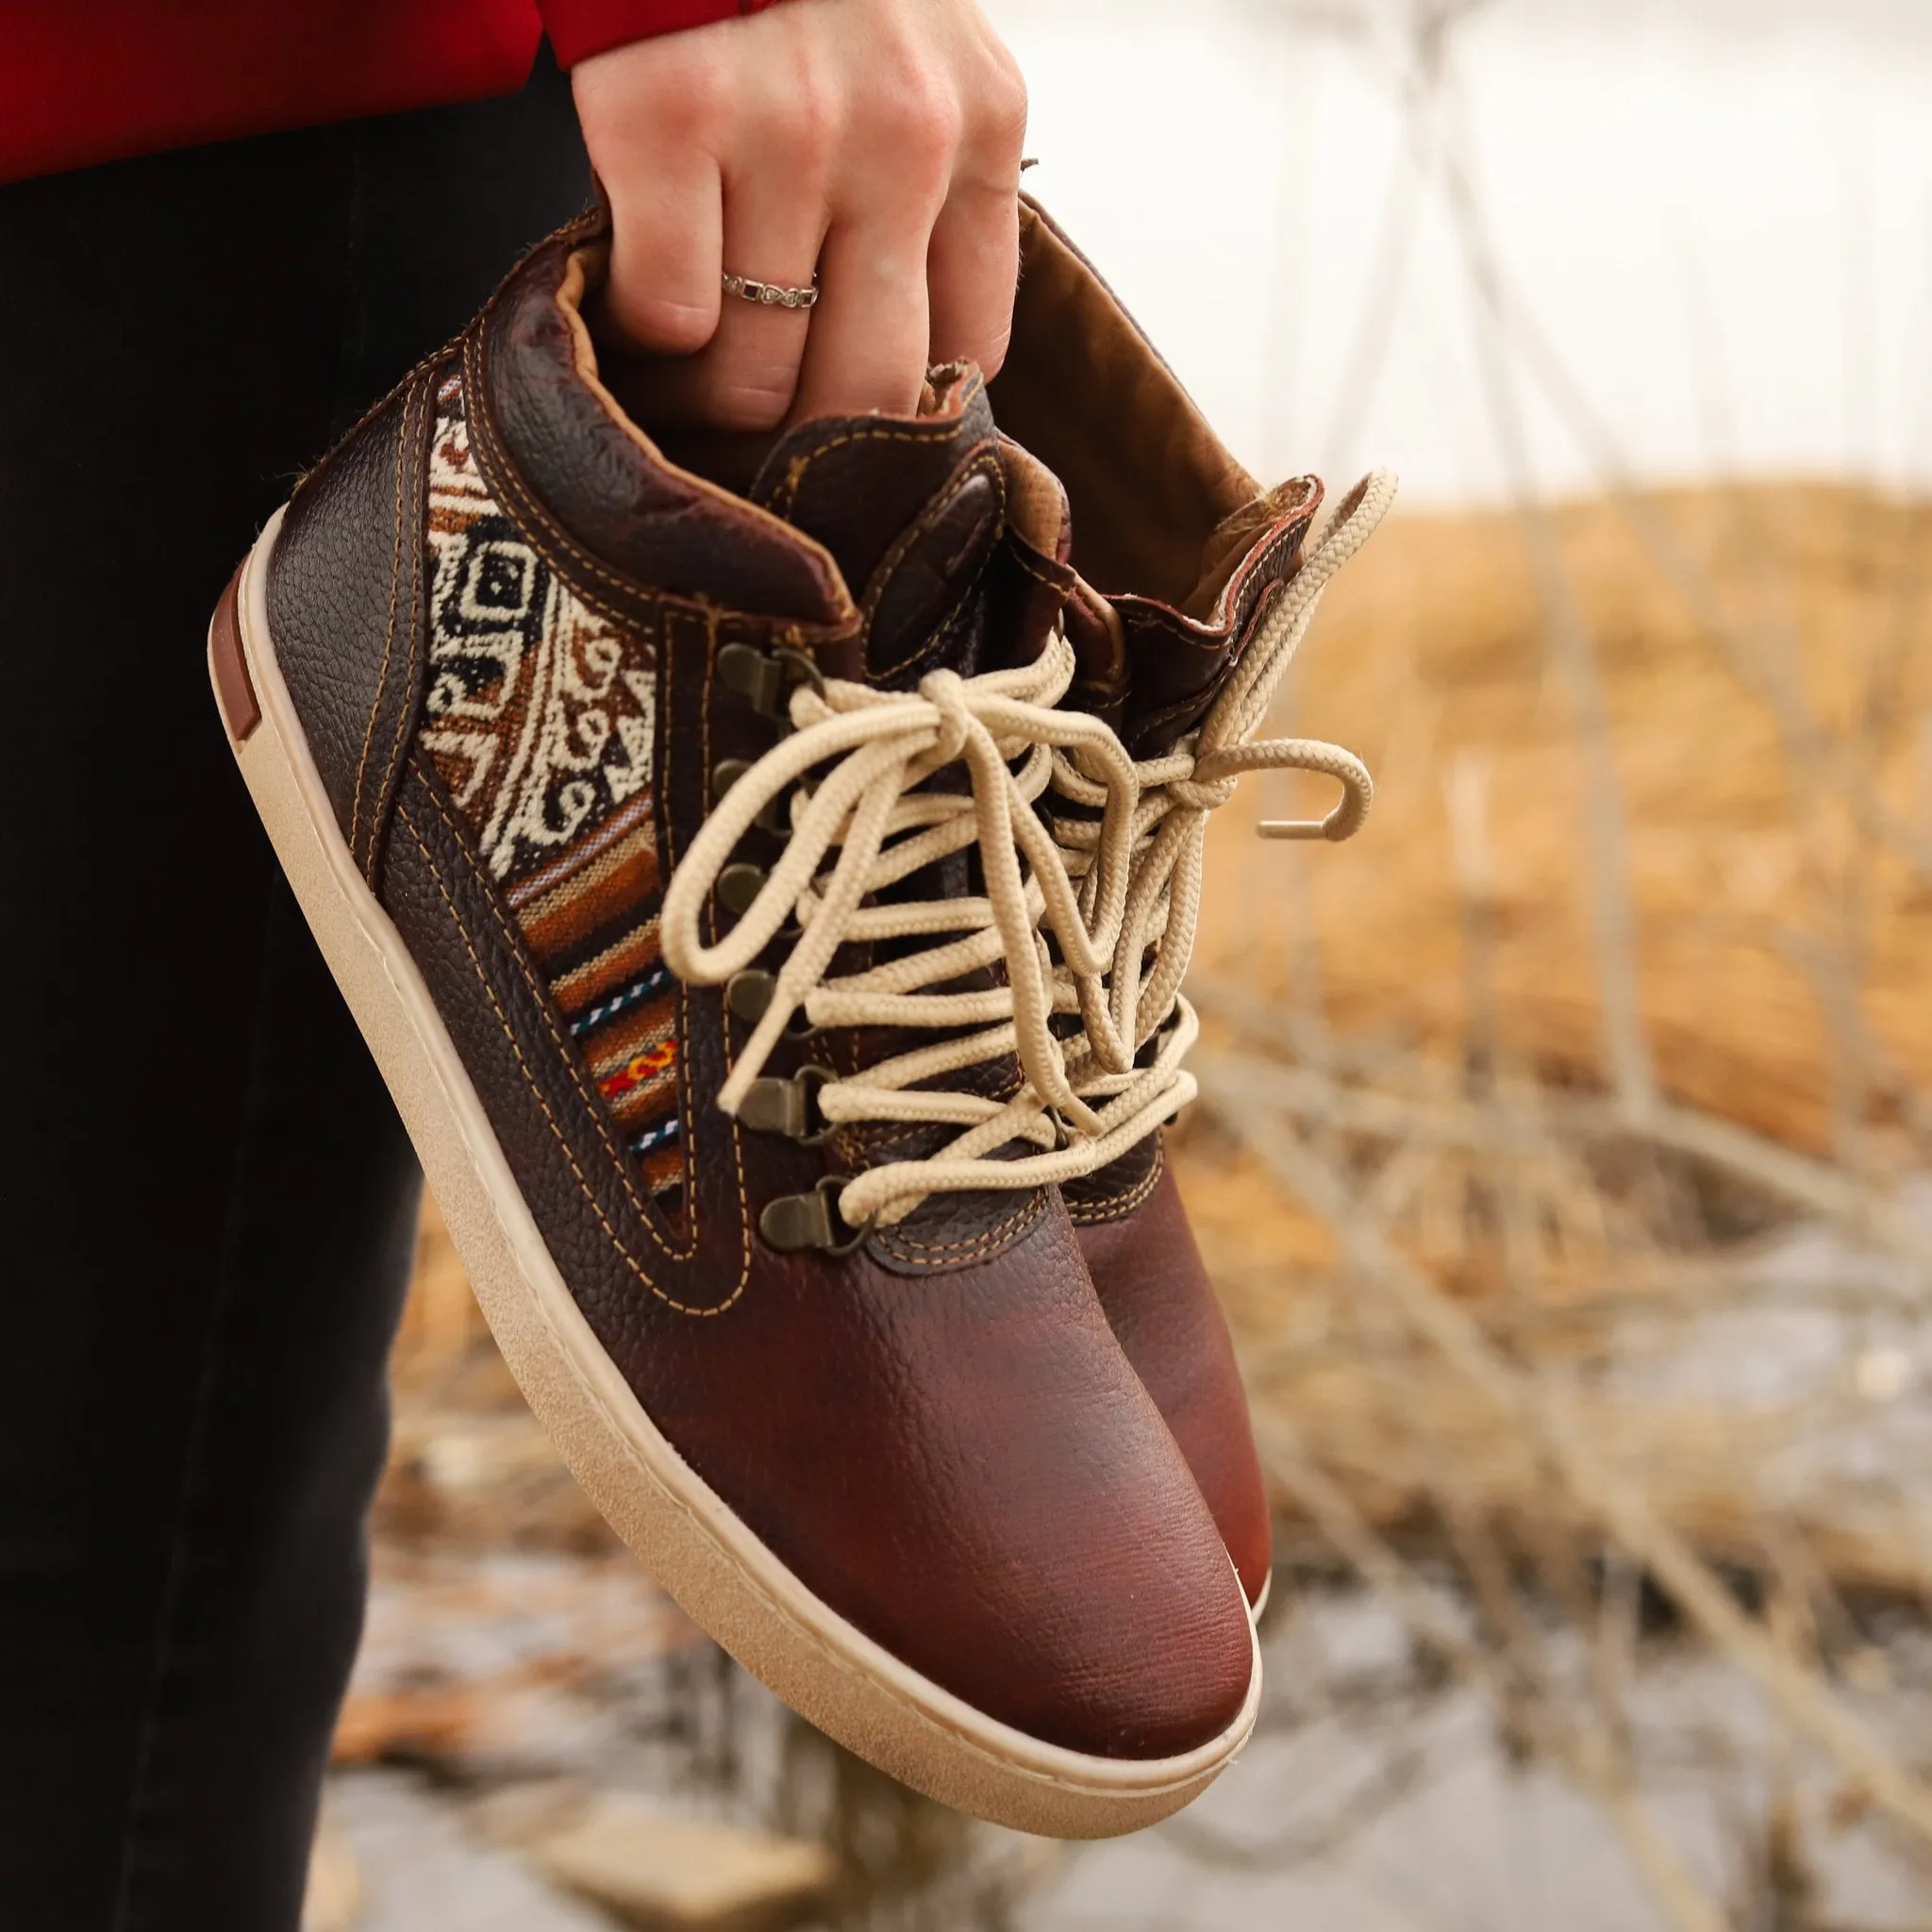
pixel 1002 1507
pixel 1151 1282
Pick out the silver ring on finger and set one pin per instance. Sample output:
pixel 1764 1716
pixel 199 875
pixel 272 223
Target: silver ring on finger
pixel 772 294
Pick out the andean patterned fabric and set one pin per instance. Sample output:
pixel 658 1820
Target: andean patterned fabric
pixel 541 717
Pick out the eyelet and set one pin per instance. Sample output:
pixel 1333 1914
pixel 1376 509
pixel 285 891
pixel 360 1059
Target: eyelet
pixel 797 1223
pixel 748 996
pixel 785 1107
pixel 765 679
pixel 758 679
pixel 775 816
pixel 739 886
pixel 803 670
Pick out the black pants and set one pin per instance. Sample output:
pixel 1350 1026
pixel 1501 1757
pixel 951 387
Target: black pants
pixel 209 1203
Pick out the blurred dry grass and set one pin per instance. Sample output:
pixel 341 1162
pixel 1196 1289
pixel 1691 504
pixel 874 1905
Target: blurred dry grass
pixel 1430 998
pixel 1517 1114
pixel 1757 890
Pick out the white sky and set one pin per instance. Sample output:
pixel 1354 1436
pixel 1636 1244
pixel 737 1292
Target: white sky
pixel 1720 214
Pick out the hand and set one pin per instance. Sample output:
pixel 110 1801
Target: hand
pixel 876 140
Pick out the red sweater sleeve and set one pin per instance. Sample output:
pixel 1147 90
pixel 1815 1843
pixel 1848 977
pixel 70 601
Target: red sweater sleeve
pixel 579 28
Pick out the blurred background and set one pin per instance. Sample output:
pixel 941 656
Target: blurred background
pixel 1564 1156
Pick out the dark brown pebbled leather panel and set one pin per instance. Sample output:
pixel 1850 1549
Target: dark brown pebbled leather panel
pixel 345 605
pixel 977 1431
pixel 549 1118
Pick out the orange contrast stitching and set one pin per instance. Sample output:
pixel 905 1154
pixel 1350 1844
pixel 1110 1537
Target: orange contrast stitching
pixel 667 683
pixel 395 573
pixel 1117 1206
pixel 530 1080
pixel 891 1238
pixel 572 1064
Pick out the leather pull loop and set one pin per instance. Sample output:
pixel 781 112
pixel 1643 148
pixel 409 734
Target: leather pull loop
pixel 797 1223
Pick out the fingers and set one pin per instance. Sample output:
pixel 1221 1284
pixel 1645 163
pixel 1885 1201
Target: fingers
pixel 747 374
pixel 973 266
pixel 889 146
pixel 867 346
pixel 880 145
pixel 664 292
pixel 923 253
pixel 661 174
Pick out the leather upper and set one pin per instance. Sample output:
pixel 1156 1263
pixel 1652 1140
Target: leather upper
pixel 347 605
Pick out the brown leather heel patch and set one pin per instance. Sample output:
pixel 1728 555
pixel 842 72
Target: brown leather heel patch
pixel 239 709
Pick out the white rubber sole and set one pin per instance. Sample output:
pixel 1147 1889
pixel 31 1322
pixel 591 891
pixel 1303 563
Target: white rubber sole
pixel 723 1577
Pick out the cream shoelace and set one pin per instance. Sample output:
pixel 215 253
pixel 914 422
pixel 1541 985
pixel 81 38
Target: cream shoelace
pixel 1119 892
pixel 1175 796
pixel 852 766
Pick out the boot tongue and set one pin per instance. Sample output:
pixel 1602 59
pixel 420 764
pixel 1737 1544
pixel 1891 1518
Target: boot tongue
pixel 911 509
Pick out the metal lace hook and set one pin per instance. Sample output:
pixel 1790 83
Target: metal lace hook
pixel 802 667
pixel 798 1223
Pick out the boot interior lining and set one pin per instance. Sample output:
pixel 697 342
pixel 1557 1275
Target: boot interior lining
pixel 1150 484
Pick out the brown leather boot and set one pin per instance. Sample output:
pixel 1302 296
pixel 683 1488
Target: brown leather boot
pixel 515 696
pixel 1193 588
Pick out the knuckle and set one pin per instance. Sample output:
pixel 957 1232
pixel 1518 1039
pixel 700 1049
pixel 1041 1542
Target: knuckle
pixel 661 323
pixel 688 121
pixel 685 105
pixel 758 399
pixel 1003 105
pixel 992 353
pixel 918 122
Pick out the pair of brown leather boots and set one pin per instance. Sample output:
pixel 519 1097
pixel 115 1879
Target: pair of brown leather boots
pixel 764 885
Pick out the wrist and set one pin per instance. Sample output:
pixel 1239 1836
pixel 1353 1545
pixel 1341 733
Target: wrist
pixel 580 28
